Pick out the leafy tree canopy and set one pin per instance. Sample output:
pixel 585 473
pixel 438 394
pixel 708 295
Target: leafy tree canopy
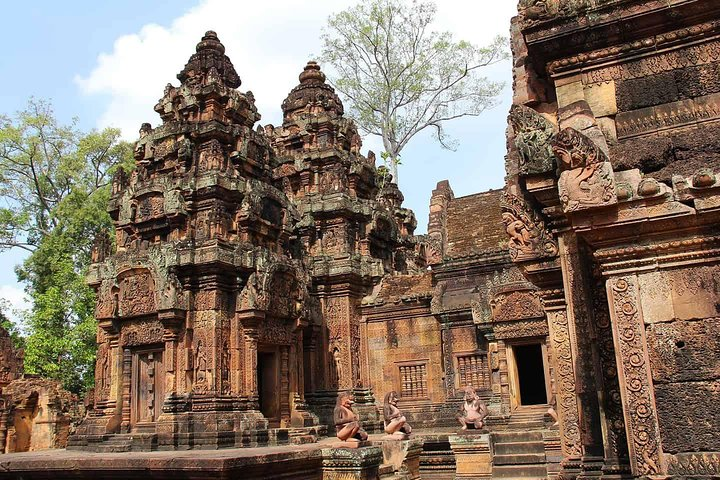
pixel 400 77
pixel 54 191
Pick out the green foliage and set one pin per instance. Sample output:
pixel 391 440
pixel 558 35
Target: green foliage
pixel 55 187
pixel 400 77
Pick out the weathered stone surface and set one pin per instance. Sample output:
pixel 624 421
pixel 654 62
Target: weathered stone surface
pixel 689 414
pixel 37 415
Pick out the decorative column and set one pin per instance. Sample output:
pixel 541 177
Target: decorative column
pixel 583 345
pixel 616 460
pixel 126 380
pixel 250 320
pixel 172 320
pixel 564 368
pixel 636 388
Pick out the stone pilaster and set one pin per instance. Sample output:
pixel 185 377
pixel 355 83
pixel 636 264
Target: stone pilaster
pixel 563 365
pixel 636 388
pixel 351 464
pixel 473 459
pixel 583 345
pixel 403 456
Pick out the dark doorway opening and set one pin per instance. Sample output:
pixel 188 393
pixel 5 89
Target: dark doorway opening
pixel 531 374
pixel 268 388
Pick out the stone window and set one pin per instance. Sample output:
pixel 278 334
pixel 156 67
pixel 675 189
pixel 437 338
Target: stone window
pixel 473 371
pixel 413 381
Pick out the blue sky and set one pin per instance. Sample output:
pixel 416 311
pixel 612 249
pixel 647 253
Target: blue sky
pixel 106 63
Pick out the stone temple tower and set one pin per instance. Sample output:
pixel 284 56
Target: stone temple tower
pixel 240 260
pixel 203 283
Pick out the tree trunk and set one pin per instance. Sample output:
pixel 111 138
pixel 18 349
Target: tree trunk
pixel 394 170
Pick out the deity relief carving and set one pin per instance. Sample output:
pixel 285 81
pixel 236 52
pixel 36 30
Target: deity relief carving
pixel 212 156
pixel 533 138
pixel 588 187
pixel 146 332
pixel 587 179
pixel 528 237
pixel 516 305
pixel 575 150
pixel 137 294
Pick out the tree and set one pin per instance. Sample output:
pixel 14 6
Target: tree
pixel 55 187
pixel 400 77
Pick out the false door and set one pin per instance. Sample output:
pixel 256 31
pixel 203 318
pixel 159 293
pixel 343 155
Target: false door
pixel 147 391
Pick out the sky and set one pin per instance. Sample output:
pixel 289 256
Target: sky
pixel 107 63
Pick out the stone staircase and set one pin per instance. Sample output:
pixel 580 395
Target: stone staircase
pixel 519 450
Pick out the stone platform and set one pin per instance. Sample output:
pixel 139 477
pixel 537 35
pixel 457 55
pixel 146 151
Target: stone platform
pixel 283 462
pixel 308 461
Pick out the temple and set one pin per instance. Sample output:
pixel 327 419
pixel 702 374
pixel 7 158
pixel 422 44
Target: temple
pixel 259 274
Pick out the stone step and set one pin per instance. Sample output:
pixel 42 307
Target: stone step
pixel 519 471
pixel 509 448
pixel 516 436
pixel 529 425
pixel 519 459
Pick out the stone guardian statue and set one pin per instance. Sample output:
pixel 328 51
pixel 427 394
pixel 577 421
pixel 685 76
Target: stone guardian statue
pixel 347 423
pixel 395 422
pixel 473 411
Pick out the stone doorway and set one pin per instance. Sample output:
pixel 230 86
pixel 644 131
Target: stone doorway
pixel 147 390
pixel 529 374
pixel 269 385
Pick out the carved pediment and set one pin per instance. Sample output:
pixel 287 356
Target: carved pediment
pixel 533 139
pixel 529 238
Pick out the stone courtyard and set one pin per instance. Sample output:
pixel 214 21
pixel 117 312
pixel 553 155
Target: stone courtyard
pixel 262 274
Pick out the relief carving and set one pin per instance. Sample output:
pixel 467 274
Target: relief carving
pixel 516 305
pixel 567 399
pixel 212 156
pixel 528 237
pixel 643 429
pixel 521 329
pixel 137 294
pixel 533 138
pixel 587 179
pixel 145 332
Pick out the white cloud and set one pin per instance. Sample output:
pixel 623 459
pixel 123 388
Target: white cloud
pixel 268 43
pixel 17 300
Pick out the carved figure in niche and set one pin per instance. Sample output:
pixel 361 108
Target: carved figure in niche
pixel 225 368
pixel 517 231
pixel 201 368
pixel 395 421
pixel 473 411
pixel 335 367
pixel 533 138
pixel 346 420
pixel 115 292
